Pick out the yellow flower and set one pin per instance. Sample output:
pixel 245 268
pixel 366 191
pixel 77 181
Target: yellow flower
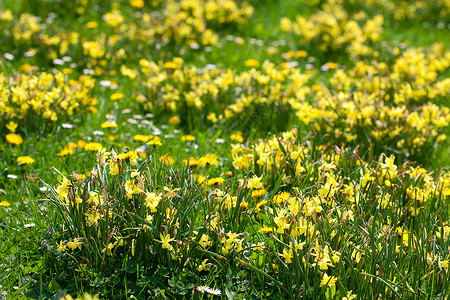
pixel 288 255
pixel 214 181
pixel 66 297
pixel 200 179
pixel 202 266
pixel 11 126
pixel 137 3
pixel 4 204
pixel 152 201
pixel 155 141
pixel 13 138
pixel 289 54
pixel 204 241
pixel 165 240
pixel 130 156
pixel 282 197
pixel 251 63
pixel 114 169
pixel 75 244
pixel 170 65
pixel 81 144
pixel 175 120
pixel 328 280
pixel 81 176
pixel 25 160
pixel 237 136
pixel 109 248
pixel 109 125
pixel 301 53
pixel 260 203
pixel 188 137
pixel 93 146
pixel 142 138
pixel 332 65
pixel 317 87
pixel 266 229
pixel 116 96
pixel 167 159
pixel 193 162
pixel 92 24
pixel 212 117
pixel 208 159
pixel 61 247
pixel 255 183
pixel 350 296
pixel 258 194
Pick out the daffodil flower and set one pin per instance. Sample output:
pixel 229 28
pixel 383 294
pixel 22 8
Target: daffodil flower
pixel 165 240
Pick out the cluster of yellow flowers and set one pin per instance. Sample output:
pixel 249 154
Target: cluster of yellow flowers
pixel 392 106
pixel 423 10
pixel 338 194
pixel 29 34
pixel 23 29
pixel 299 199
pixel 45 96
pixel 333 29
pixel 186 22
pixel 420 9
pixel 377 104
pixel 183 91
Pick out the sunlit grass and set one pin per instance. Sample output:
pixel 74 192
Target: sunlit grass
pixel 202 149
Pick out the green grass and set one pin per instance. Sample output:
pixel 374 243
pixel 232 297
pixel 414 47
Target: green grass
pixel 36 221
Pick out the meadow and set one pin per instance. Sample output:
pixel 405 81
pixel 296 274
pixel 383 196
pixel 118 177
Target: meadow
pixel 202 149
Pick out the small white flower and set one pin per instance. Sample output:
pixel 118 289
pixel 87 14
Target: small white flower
pixel 214 292
pixel 157 131
pixel 88 72
pixel 8 56
pixel 29 53
pixel 202 288
pixel 67 125
pixel 324 68
pixel 194 46
pixel 105 83
pixel 58 61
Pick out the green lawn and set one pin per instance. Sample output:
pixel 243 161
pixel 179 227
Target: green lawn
pixel 224 149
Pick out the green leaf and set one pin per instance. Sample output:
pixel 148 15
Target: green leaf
pixel 230 294
pixel 162 271
pixel 178 286
pixel 60 295
pixel 53 287
pixel 132 266
pixel 331 291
